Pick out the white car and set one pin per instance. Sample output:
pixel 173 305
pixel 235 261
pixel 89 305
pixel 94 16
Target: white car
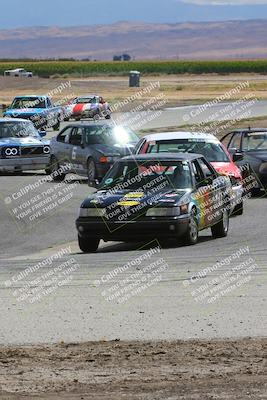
pixel 200 143
pixel 18 72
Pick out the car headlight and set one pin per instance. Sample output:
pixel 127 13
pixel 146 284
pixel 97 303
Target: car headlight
pixel 263 168
pixel 92 212
pixel 11 151
pixel 163 212
pixel 46 149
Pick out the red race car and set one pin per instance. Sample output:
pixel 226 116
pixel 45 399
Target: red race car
pixel 90 106
pixel 200 143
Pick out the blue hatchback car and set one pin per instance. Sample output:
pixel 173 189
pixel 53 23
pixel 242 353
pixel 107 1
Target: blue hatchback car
pixel 22 147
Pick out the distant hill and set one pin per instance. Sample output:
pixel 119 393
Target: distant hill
pixel 209 40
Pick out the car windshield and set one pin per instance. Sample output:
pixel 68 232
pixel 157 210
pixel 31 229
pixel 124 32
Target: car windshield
pixel 255 141
pixel 86 100
pixel 212 151
pixel 28 102
pixel 148 176
pixel 109 135
pixel 17 129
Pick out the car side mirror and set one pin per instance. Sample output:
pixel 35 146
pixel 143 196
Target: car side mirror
pixel 42 133
pixel 93 183
pixel 205 182
pixel 238 156
pixel 209 180
pixel 233 150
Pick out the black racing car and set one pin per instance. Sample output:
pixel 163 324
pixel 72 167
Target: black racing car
pixel 89 149
pixel 250 145
pixel 156 196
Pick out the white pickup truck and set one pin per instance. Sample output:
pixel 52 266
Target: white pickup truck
pixel 19 72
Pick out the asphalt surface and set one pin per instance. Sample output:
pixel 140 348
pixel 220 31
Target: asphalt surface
pixel 78 297
pixel 195 115
pixel 81 307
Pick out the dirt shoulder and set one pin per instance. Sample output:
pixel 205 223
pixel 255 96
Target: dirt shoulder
pixel 135 370
pixel 177 90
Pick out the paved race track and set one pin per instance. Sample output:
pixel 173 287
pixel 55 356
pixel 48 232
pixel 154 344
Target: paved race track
pixel 86 300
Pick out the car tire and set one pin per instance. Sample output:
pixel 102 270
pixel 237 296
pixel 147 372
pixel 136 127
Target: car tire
pixel 54 170
pixel 221 229
pixel 91 170
pixel 88 245
pixel 239 209
pixel 108 116
pixel 191 236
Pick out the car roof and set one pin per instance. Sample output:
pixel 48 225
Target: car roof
pixel 180 135
pixel 247 130
pixel 163 156
pixel 39 96
pixel 82 124
pixel 87 96
pixel 14 120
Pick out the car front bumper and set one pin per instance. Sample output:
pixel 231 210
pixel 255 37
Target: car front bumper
pixel 237 196
pixel 132 230
pixel 23 164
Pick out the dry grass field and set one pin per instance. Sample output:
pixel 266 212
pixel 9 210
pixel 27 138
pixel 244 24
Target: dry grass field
pixel 177 89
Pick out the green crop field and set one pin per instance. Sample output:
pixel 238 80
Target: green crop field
pixel 85 68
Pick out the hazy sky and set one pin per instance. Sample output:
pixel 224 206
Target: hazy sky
pixel 18 13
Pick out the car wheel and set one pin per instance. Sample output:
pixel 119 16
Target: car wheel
pixel 191 236
pixel 88 245
pixel 108 116
pixel 239 209
pixel 54 169
pixel 221 229
pixel 91 170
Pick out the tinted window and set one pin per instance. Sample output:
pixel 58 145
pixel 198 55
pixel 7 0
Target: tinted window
pixel 236 141
pixel 87 100
pixel 28 102
pixel 206 168
pixel 255 141
pixel 226 139
pixel 197 172
pixel 76 136
pixel 108 135
pixel 17 129
pixel 212 151
pixel 137 175
pixel 64 136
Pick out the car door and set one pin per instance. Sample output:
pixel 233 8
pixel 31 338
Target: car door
pixel 207 195
pixel 221 190
pixel 61 147
pixel 78 153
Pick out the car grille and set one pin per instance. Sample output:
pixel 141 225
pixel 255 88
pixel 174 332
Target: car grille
pixel 32 151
